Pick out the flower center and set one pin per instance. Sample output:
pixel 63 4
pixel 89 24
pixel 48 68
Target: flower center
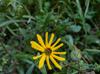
pixel 48 51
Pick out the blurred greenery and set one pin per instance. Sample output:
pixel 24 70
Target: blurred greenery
pixel 77 22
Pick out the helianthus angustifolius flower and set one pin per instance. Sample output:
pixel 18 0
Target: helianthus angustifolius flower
pixel 48 51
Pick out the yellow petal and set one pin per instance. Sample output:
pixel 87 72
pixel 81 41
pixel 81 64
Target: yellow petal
pixel 57 47
pixel 59 52
pixel 46 38
pixel 58 58
pixel 40 40
pixel 51 39
pixel 55 63
pixel 36 46
pixel 58 40
pixel 36 57
pixel 42 60
pixel 48 62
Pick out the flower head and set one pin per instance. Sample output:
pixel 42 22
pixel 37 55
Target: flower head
pixel 48 51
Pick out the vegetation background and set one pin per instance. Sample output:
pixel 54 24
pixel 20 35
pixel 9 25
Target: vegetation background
pixel 77 22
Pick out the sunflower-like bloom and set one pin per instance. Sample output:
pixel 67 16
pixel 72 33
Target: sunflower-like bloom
pixel 48 51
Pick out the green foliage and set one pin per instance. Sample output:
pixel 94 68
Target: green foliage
pixel 75 21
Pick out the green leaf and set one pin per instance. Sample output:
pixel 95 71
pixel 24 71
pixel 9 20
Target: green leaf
pixel 10 22
pixel 86 27
pixel 92 39
pixel 43 70
pixel 30 69
pixel 75 28
pixel 93 51
pixel 69 39
pixel 20 70
pixel 76 55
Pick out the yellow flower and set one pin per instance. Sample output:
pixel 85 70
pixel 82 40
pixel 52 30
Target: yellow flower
pixel 48 51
